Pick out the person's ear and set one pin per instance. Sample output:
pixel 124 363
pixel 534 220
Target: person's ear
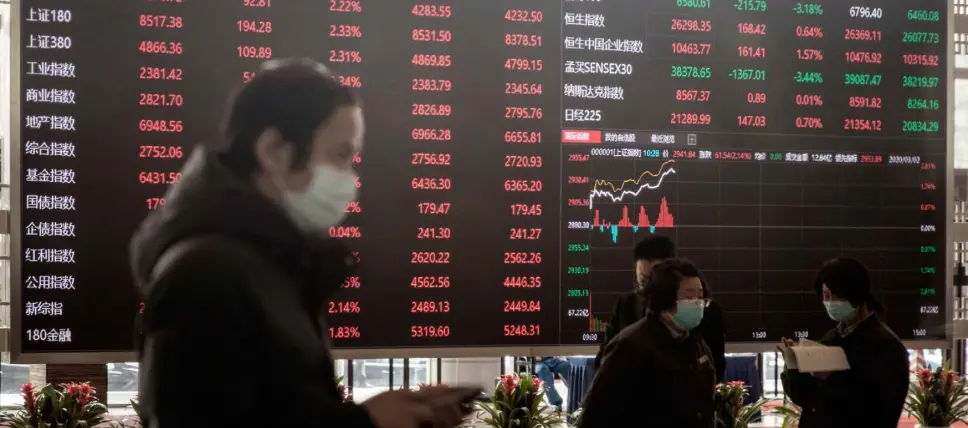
pixel 272 153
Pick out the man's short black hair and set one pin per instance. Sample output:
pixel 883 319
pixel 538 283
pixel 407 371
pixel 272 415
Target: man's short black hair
pixel 292 96
pixel 656 247
pixel 663 288
pixel 850 280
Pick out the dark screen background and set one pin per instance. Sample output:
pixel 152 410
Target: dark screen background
pixel 760 274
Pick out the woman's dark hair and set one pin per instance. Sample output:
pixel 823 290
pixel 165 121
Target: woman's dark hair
pixel 850 280
pixel 663 288
pixel 655 247
pixel 294 97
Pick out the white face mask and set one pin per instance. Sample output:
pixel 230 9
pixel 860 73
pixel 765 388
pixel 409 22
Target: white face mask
pixel 323 203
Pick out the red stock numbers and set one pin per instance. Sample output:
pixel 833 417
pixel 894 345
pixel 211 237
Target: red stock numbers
pixel 161 100
pixel 431 60
pixel 431 36
pixel 523 161
pixel 688 48
pixel 431 109
pixel 351 282
pixel 522 258
pixel 526 210
pixel 524 64
pixel 697 95
pixel 701 119
pixel 257 3
pixel 523 40
pixel 430 282
pixel 251 26
pixel 756 98
pixel 432 85
pixel 434 233
pixel 254 52
pixel 247 76
pixel 430 307
pixel 862 35
pixel 807 122
pixel 522 137
pixel 525 233
pixel 160 73
pixel 430 134
pixel 868 125
pixel 344 331
pixel 751 28
pixel 435 159
pixel 531 186
pixel 160 21
pixel 522 282
pixel 522 306
pixel 698 25
pixel 526 16
pixel 433 208
pixel 161 152
pixel 858 57
pixel 865 102
pixel 155 203
pixel 430 183
pixel 522 330
pixel 160 47
pixel 749 121
pixel 157 177
pixel 431 11
pixel 520 88
pixel 523 113
pixel 755 52
pixel 160 125
pixel 429 331
pixel 430 257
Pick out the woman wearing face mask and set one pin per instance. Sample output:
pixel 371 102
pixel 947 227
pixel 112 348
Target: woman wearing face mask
pixel 877 380
pixel 656 372
pixel 235 268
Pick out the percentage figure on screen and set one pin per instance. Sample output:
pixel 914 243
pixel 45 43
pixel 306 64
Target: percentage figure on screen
pixel 350 307
pixel 351 282
pixel 808 9
pixel 345 232
pixel 344 332
pixel 811 100
pixel 345 56
pixel 809 123
pixel 928 186
pixel 345 31
pixel 350 81
pixel 928 166
pixel 810 54
pixel 809 32
pixel 353 208
pixel 345 6
pixel 809 77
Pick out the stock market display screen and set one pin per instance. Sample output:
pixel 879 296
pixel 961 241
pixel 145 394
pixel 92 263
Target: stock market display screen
pixel 516 151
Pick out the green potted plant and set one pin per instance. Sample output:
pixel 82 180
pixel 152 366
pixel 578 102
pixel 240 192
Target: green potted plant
pixel 938 398
pixel 730 412
pixel 518 402
pixel 790 413
pixel 70 405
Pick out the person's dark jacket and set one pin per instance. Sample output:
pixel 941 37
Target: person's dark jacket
pixel 877 381
pixel 631 307
pixel 651 378
pixel 234 295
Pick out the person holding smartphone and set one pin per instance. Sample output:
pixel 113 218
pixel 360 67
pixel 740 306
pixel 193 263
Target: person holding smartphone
pixel 236 268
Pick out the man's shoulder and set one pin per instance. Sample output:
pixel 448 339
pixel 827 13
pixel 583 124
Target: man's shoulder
pixel 204 265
